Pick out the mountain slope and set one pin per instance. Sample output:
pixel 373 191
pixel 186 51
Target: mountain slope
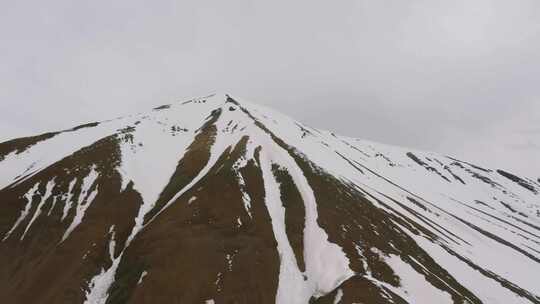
pixel 217 200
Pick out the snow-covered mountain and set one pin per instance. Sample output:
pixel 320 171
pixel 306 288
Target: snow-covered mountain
pixel 217 200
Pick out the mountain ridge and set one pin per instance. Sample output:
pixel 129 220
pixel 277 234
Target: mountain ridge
pixel 228 95
pixel 310 215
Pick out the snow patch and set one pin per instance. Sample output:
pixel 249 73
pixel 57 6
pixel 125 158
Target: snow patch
pixel 292 288
pixel 326 263
pixel 45 153
pixel 339 295
pixel 84 201
pixel 24 213
pixel 143 274
pixel 229 258
pixel 53 204
pixel 414 287
pixel 44 198
pixel 67 205
pixel 99 285
pixel 245 196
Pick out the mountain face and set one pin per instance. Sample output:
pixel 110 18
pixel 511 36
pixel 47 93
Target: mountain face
pixel 216 200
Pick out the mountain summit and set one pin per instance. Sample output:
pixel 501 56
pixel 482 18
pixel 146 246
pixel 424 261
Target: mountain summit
pixel 217 200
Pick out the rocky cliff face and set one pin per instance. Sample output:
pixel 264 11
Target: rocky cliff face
pixel 216 200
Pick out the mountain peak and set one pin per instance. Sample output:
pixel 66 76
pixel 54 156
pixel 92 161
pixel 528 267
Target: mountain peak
pixel 218 199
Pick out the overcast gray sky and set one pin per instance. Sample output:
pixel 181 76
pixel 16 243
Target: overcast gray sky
pixel 460 77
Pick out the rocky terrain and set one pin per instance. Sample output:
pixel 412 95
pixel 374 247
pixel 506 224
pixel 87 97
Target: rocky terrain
pixel 218 200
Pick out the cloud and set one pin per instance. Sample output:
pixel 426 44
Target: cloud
pixel 531 131
pixel 525 146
